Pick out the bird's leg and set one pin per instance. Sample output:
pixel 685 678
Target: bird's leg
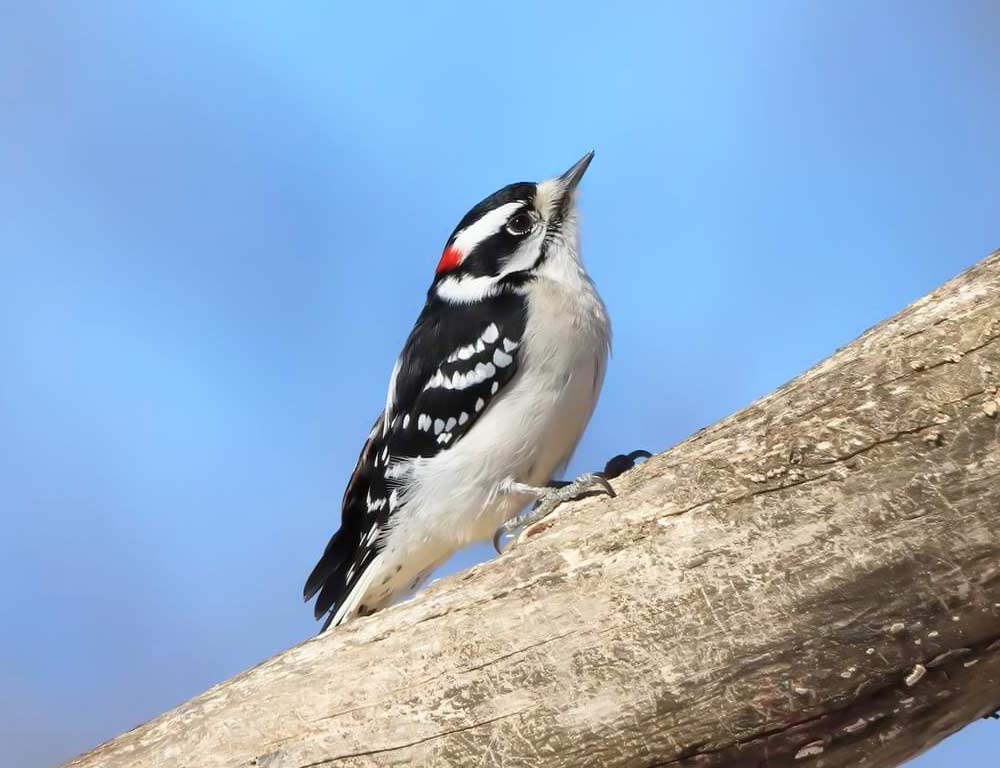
pixel 547 498
pixel 555 493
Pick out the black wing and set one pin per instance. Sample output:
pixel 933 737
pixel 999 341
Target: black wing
pixel 455 362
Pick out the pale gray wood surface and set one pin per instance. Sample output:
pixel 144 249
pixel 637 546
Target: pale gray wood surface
pixel 814 581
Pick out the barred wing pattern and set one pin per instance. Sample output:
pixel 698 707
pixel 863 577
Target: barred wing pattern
pixel 457 360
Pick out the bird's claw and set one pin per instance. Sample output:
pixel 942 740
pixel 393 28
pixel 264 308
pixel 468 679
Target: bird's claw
pixel 557 493
pixel 550 498
pixel 623 462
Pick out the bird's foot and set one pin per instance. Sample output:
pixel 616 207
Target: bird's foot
pixel 556 493
pixel 623 462
pixel 547 499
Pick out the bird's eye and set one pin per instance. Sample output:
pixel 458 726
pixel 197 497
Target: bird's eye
pixel 520 224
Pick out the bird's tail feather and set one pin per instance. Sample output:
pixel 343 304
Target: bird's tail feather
pixel 350 599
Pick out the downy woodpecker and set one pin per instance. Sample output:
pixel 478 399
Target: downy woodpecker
pixel 486 402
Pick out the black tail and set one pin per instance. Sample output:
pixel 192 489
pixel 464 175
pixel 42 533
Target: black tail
pixel 329 581
pixel 329 577
pixel 337 573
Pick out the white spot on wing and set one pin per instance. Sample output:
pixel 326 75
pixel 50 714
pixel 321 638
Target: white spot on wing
pixel 462 353
pixel 510 346
pixel 484 371
pixel 501 358
pixel 438 426
pixel 491 334
pixel 480 404
pixel 464 417
pixel 406 421
pixel 437 380
pixel 450 424
pixel 495 387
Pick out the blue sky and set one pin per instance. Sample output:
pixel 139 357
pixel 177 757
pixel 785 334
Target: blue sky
pixel 218 221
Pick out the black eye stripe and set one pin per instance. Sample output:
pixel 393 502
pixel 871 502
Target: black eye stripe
pixel 488 256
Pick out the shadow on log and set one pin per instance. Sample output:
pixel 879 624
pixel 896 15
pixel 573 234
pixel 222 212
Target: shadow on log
pixel 814 581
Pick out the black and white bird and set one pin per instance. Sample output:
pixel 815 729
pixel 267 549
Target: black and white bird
pixel 486 402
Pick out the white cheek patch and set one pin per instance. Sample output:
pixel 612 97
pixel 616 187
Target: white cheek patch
pixel 527 253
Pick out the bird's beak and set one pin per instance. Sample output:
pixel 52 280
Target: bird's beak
pixel 572 177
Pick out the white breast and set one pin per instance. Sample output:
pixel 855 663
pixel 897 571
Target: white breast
pixel 565 354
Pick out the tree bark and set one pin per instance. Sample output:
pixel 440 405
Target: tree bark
pixel 813 581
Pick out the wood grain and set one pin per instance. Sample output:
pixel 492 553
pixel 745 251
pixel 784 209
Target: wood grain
pixel 813 581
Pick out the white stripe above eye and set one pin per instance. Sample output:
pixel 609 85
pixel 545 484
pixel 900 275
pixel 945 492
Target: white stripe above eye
pixel 486 225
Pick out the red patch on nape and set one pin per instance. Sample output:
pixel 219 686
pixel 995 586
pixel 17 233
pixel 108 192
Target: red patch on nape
pixel 450 259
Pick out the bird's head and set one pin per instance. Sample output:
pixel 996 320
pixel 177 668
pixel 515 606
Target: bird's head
pixel 509 237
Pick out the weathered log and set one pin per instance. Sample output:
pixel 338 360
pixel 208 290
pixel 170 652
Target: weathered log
pixel 814 581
